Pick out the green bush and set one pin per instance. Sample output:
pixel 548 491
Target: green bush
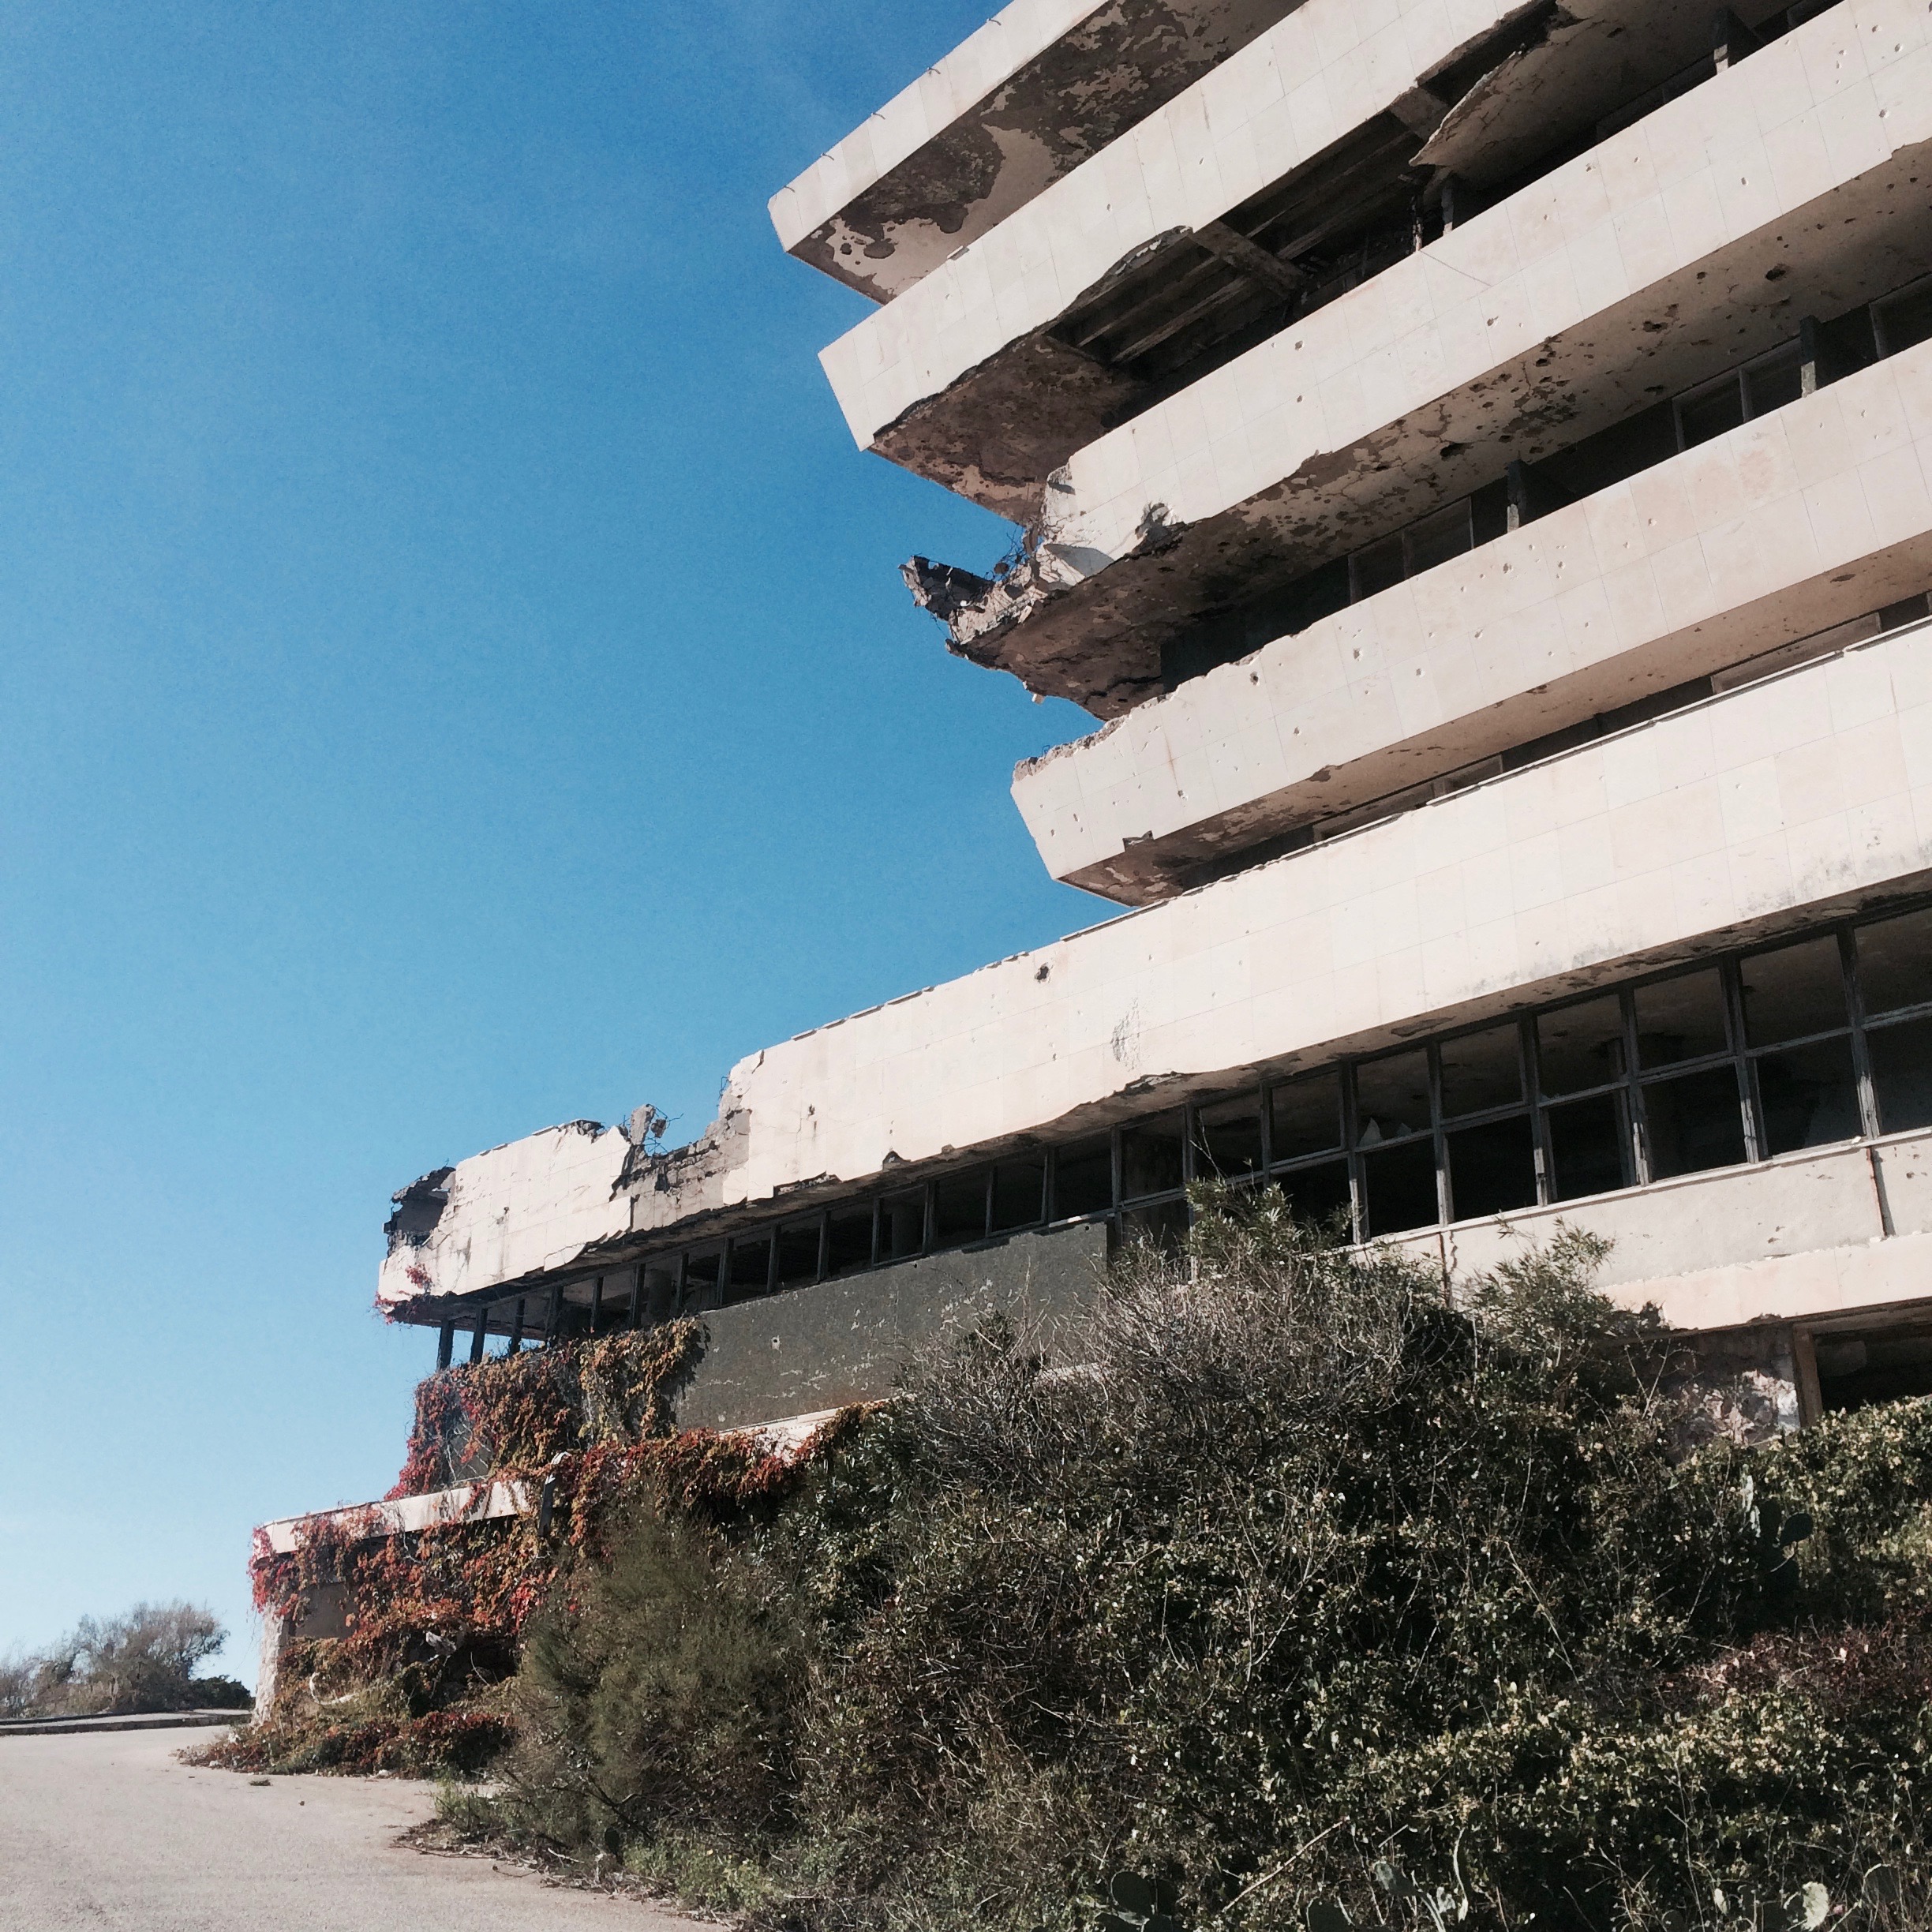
pixel 1301 1571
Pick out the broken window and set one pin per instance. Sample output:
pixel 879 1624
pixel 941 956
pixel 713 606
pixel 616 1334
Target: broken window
pixel 1319 1192
pixel 902 1225
pixel 1808 1095
pixel 1151 1156
pixel 1905 320
pixel 1019 1193
pixel 1590 1145
pixel 959 1208
pixel 1162 1225
pixel 1581 1046
pixel 1887 1363
pixel 848 1238
pixel 1681 1019
pixel 1694 1121
pixel 1399 1187
pixel 1895 963
pixel 1901 1054
pixel 1481 1070
pixel 1391 1098
pixel 703 1279
pixel 748 1268
pixel 1227 1138
pixel 1491 1167
pixel 1082 1180
pixel 1304 1116
pixel 798 1252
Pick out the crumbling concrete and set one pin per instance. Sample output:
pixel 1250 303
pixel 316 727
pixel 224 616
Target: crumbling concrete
pixel 1693 239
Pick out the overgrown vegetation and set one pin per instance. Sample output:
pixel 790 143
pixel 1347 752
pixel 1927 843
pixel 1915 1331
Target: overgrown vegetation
pixel 425 1630
pixel 144 1661
pixel 1301 1577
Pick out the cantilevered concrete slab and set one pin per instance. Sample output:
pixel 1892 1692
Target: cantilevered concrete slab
pixel 1041 86
pixel 1793 522
pixel 977 378
pixel 1798 183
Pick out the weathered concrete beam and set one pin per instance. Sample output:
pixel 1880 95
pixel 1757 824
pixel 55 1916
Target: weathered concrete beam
pixel 1795 183
pixel 1787 525
pixel 1041 86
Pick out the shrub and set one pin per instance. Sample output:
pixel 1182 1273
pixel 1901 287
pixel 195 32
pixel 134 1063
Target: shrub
pixel 1300 1569
pixel 143 1660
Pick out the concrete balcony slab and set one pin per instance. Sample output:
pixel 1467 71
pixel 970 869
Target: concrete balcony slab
pixel 1793 522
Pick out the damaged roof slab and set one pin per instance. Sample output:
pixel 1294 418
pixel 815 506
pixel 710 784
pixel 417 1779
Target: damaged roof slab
pixel 971 379
pixel 1790 185
pixel 1041 86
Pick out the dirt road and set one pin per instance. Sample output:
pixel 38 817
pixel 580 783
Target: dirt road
pixel 109 1833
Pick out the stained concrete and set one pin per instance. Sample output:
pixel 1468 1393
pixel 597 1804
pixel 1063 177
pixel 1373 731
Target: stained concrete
pixel 114 1834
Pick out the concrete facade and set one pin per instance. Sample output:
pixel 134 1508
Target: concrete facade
pixel 1509 616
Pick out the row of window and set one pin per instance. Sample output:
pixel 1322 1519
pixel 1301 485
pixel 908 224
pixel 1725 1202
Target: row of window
pixel 1811 1041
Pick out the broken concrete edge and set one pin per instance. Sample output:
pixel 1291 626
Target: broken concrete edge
pixel 1022 101
pixel 1053 623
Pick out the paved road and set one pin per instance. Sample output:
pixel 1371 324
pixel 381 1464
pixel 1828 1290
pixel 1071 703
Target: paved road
pixel 110 1833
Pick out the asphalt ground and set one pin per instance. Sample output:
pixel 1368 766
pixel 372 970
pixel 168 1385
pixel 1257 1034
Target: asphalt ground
pixel 112 1833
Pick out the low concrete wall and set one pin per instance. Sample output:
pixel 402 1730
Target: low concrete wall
pixel 841 1341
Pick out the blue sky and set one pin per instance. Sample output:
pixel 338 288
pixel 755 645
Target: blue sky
pixel 454 678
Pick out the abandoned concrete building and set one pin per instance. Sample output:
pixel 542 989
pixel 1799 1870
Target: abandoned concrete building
pixel 1473 460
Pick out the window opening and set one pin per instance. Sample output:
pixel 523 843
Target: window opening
pixel 1152 1157
pixel 1227 1138
pixel 959 1207
pixel 1083 1178
pixel 1019 1193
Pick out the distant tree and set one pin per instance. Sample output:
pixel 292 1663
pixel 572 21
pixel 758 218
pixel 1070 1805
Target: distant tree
pixel 144 1660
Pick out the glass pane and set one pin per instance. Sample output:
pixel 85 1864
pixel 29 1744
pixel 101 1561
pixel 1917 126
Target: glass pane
pixel 1307 1116
pixel 1901 1069
pixel 749 1268
pixel 1319 1194
pixel 1481 1070
pixel 902 1225
pixel 1695 1123
pixel 1019 1194
pixel 1437 538
pixel 1375 568
pixel 1391 1098
pixel 1701 417
pixel 1398 1184
pixel 1589 1147
pixel 1228 1138
pixel 1491 1168
pixel 1083 1178
pixel 1796 990
pixel 1150 1156
pixel 959 1208
pixel 851 1239
pixel 798 1253
pixel 1680 1020
pixel 1895 963
pixel 1580 1046
pixel 1164 1225
pixel 1809 1094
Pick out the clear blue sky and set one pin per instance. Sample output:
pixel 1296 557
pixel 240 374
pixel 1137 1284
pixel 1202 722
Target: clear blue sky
pixel 454 678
